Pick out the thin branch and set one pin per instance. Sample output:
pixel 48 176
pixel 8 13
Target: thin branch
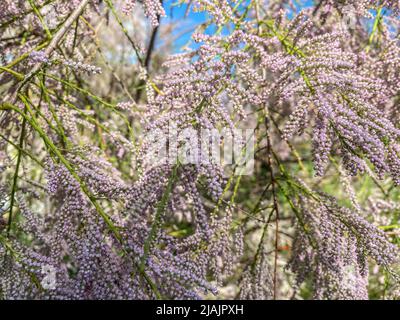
pixel 148 57
pixel 275 204
pixel 15 179
pixel 56 39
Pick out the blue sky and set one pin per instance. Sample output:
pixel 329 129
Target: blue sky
pixel 176 13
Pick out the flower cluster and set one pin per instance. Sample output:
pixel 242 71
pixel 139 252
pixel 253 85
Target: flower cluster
pixel 88 210
pixel 331 244
pixel 153 9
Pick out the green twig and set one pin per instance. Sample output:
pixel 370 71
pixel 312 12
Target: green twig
pixel 15 178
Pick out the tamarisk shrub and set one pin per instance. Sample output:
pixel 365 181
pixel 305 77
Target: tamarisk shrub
pixel 97 203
